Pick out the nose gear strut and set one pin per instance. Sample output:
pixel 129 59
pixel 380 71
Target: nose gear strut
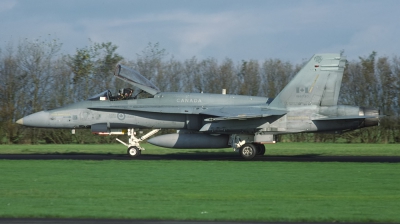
pixel 134 148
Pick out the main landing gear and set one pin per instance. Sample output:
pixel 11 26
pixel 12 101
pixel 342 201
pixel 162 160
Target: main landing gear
pixel 134 148
pixel 247 150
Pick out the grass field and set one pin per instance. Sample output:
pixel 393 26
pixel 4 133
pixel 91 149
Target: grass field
pixel 203 190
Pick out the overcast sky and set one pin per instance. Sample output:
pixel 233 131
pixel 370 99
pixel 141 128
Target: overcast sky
pixel 237 29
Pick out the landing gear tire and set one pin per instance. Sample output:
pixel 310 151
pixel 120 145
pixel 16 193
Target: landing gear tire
pixel 134 151
pixel 248 151
pixel 260 149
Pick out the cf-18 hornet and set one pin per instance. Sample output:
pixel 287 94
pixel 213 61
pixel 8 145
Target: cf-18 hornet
pixel 308 104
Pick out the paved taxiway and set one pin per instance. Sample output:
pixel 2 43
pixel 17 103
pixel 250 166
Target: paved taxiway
pixel 202 157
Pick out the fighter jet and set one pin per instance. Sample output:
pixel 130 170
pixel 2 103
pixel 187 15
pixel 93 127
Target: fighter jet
pixel 307 104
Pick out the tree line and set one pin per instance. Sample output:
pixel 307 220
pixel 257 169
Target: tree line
pixel 36 75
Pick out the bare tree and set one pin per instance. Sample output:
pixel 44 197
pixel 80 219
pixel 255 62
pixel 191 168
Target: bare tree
pixel 249 77
pixel 12 82
pixel 276 74
pixel 92 68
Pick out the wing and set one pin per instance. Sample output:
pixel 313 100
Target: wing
pixel 344 118
pixel 216 113
pixel 240 113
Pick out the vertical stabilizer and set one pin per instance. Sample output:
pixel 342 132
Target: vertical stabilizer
pixel 317 83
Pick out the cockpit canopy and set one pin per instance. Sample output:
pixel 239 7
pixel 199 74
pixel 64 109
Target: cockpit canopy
pixel 135 78
pixel 123 94
pixel 130 76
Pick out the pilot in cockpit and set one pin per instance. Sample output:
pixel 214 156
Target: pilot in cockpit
pixel 126 93
pixel 123 94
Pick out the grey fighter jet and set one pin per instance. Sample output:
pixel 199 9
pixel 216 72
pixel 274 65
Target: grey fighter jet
pixel 245 123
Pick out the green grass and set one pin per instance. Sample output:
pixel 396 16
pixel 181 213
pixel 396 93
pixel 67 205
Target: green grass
pixel 202 190
pixel 284 149
pixel 213 190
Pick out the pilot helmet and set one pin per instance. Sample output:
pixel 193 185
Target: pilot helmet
pixel 121 91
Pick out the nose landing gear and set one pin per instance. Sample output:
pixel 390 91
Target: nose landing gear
pixel 134 148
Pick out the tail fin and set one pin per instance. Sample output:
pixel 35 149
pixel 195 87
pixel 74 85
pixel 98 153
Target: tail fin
pixel 317 83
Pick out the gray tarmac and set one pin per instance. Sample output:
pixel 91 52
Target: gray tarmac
pixel 203 157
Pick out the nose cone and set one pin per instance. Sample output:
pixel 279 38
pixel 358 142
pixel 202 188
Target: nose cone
pixel 20 121
pixel 39 119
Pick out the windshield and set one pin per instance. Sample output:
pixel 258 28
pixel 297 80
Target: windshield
pixel 135 78
pixel 105 95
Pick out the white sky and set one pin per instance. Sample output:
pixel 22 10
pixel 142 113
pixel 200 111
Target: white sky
pixel 291 30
